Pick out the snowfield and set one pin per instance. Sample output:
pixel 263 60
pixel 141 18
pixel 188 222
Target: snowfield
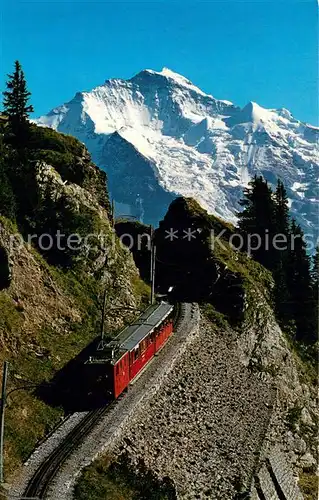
pixel 159 136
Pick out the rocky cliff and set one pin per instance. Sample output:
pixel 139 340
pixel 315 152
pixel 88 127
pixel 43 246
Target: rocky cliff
pixel 51 293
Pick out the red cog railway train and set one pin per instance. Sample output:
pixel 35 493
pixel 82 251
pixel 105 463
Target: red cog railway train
pixel 119 361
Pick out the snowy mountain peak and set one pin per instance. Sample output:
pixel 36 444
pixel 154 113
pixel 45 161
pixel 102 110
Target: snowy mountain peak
pixel 254 113
pixel 157 135
pixel 180 79
pixel 172 77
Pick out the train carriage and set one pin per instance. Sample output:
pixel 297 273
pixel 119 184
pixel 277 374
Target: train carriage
pixel 119 361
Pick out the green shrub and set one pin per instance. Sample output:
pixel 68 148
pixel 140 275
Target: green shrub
pixel 308 483
pixel 43 138
pixel 10 318
pixel 141 289
pixel 214 316
pixel 118 480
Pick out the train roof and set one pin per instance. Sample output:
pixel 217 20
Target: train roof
pixel 133 334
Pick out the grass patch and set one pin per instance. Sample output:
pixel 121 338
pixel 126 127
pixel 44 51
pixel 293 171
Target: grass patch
pixel 10 318
pixel 44 138
pixel 38 358
pixel 28 419
pixel 118 480
pixel 306 357
pixel 256 278
pixel 142 290
pixel 9 225
pixel 309 485
pixel 254 273
pixel 215 317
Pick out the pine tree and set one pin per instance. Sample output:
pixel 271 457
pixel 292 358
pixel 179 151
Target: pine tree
pixel 258 218
pixel 315 268
pixel 20 167
pixel 315 288
pixel 281 209
pixel 295 290
pixel 16 106
pixel 300 287
pixel 280 254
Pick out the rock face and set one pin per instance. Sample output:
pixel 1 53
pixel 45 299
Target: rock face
pixel 29 282
pixel 290 444
pixel 204 429
pixel 157 136
pixel 51 296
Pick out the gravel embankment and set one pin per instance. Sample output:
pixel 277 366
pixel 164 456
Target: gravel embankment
pixel 203 428
pixel 42 452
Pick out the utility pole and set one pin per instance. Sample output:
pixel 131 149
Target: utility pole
pixel 153 258
pixel 101 343
pixel 3 404
pixel 152 262
pixel 112 212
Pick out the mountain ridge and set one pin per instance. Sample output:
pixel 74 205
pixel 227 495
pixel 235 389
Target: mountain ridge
pixel 195 145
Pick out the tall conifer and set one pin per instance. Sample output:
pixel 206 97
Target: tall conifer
pixel 300 286
pixel 258 218
pixel 16 106
pixel 280 254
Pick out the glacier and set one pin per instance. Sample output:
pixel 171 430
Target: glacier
pixel 158 136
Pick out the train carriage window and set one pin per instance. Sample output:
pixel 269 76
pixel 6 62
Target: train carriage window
pixel 135 354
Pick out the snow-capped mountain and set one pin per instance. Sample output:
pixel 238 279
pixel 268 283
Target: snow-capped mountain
pixel 159 136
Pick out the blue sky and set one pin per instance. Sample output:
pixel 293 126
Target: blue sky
pixel 263 51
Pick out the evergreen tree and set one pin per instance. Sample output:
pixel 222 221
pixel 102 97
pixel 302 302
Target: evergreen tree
pixel 315 268
pixel 315 288
pixel 20 165
pixel 280 253
pixel 258 217
pixel 300 287
pixel 281 209
pixel 16 106
pixel 296 291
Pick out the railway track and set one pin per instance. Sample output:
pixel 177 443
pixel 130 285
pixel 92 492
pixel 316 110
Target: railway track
pixel 39 484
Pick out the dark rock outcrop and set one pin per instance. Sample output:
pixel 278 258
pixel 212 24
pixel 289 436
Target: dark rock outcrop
pixel 187 260
pixel 5 271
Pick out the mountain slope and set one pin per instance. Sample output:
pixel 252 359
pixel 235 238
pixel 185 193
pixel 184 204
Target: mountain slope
pixel 51 294
pixel 158 136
